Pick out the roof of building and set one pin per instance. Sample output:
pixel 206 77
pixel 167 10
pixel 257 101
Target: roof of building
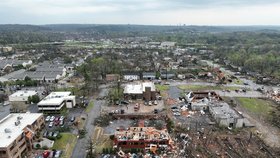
pixel 138 88
pixel 21 94
pixel 13 75
pixel 54 98
pixel 223 110
pixel 9 131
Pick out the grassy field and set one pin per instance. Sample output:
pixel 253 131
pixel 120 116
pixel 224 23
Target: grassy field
pixel 162 87
pixel 202 87
pixel 237 81
pixel 257 106
pixel 89 107
pixel 66 143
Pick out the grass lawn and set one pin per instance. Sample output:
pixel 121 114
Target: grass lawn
pixel 162 87
pixel 66 143
pixel 202 87
pixel 237 81
pixel 89 107
pixel 257 106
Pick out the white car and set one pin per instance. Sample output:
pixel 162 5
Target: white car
pixel 57 153
pixel 48 118
pixel 51 125
pixel 52 118
pixel 61 118
pixel 176 114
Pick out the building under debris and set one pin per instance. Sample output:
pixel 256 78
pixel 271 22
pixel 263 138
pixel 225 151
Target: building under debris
pixel 147 138
pixel 223 114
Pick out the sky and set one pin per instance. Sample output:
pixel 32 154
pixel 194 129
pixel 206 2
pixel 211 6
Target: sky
pixel 146 12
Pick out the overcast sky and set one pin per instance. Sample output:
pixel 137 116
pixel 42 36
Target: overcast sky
pixel 156 12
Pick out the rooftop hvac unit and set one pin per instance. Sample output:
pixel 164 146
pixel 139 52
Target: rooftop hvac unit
pixel 7 130
pixel 19 117
pixel 17 123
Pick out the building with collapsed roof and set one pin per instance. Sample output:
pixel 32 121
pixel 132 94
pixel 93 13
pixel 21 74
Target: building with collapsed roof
pixel 225 115
pixel 140 90
pixel 220 110
pixel 200 100
pixel 147 138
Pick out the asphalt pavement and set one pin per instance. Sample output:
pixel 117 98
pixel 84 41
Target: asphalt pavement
pixel 80 147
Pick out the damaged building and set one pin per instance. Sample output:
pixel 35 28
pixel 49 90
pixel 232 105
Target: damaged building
pixel 146 138
pixel 210 102
pixel 225 115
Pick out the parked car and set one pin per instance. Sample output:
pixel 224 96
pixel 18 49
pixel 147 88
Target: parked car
pixel 56 123
pixel 61 123
pixel 50 134
pixel 155 111
pixel 176 114
pixel 48 118
pixel 72 119
pixel 52 118
pixel 155 102
pixel 61 118
pixel 55 134
pixel 58 153
pixel 45 134
pixel 56 119
pixel 50 124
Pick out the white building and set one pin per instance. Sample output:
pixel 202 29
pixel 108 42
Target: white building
pixel 21 96
pixel 131 77
pixel 17 133
pixel 19 100
pixel 56 101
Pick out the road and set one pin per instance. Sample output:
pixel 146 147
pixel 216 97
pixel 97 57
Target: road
pixel 4 111
pixel 80 147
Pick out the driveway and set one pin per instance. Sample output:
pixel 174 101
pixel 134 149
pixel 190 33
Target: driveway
pixel 80 148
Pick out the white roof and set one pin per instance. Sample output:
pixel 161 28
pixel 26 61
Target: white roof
pixel 138 88
pixel 8 124
pixel 17 96
pixel 54 98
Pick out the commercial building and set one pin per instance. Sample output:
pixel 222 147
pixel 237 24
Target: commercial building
pixel 55 101
pixel 140 90
pixel 225 115
pixel 17 133
pixel 19 100
pixel 131 76
pixel 147 138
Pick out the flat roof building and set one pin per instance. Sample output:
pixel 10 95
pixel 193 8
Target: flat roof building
pixel 17 133
pixel 140 90
pixel 19 99
pixel 55 101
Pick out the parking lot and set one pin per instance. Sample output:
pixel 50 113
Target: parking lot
pixel 136 106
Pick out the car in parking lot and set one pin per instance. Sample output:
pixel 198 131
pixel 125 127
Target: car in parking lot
pixel 52 118
pixel 45 134
pixel 72 119
pixel 55 134
pixel 58 153
pixel 61 118
pixel 176 114
pixel 48 118
pixel 50 124
pixel 61 123
pixel 50 134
